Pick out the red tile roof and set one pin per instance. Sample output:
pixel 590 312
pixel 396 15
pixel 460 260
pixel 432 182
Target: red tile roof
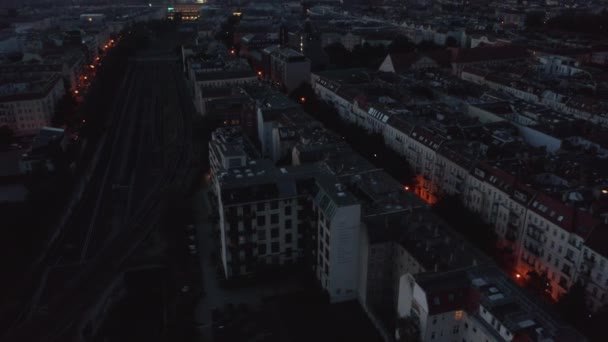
pixel 553 210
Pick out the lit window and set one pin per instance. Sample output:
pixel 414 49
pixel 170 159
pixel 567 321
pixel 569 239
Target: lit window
pixel 458 315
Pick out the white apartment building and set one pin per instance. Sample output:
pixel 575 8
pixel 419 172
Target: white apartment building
pixel 338 224
pixel 289 68
pixel 28 103
pixel 396 134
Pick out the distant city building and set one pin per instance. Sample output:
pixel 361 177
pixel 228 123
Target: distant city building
pixel 288 68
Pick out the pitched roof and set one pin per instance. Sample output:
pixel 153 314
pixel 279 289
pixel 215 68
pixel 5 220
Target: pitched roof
pixel 403 61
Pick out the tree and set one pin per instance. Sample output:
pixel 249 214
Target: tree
pixel 573 305
pixel 408 330
pixel 368 56
pixel 451 42
pixel 468 223
pixel 428 45
pixel 6 135
pixel 401 44
pixel 534 19
pixel 65 111
pixel 338 55
pixel 538 283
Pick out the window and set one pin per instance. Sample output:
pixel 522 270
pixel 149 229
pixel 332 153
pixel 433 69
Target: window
pixel 288 238
pixel 274 218
pixel 274 233
pixel 262 249
pixel 261 220
pixel 274 205
pixel 287 224
pixel 287 210
pixel 260 206
pixel 274 247
pixel 458 315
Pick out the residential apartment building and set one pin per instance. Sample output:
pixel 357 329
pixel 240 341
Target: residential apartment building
pixel 476 304
pixel 338 224
pixel 27 102
pixel 288 68
pixel 259 206
pixel 505 193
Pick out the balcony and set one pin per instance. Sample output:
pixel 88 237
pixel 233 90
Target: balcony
pixel 535 249
pixel 589 261
pixel 569 258
pixel 572 242
pixel 537 238
pixel 514 219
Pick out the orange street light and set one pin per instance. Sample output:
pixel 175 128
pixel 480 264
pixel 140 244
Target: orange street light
pixel 92 66
pixel 76 92
pixel 517 275
pixel 407 188
pixel 86 78
pixel 259 73
pixel 302 99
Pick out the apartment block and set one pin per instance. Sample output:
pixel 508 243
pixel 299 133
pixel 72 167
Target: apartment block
pixel 502 166
pixel 27 102
pixel 476 304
